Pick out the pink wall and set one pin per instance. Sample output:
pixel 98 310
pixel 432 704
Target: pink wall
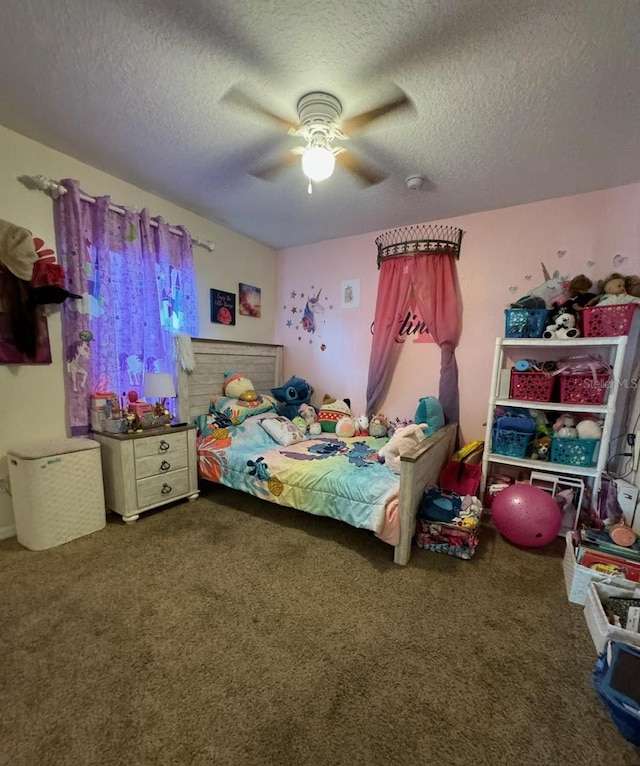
pixel 502 251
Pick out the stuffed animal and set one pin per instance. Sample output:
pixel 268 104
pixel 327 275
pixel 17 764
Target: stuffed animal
pixel 315 429
pixel 308 413
pixel 345 428
pixel 331 411
pixel 565 427
pixel 236 386
pixel 589 429
pixel 563 327
pixel 429 414
pixel 291 395
pixel 632 285
pixel 300 424
pixel 362 425
pixel 378 426
pixel 403 439
pixel 540 448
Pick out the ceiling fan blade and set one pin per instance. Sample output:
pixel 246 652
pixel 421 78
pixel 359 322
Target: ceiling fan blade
pixel 360 121
pixel 237 98
pixel 268 172
pixel 364 173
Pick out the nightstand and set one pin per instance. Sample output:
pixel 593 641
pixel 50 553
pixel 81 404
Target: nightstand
pixel 148 469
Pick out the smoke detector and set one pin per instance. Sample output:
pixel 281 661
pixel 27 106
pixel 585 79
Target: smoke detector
pixel 415 182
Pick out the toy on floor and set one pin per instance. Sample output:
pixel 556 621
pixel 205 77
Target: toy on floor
pixel 526 515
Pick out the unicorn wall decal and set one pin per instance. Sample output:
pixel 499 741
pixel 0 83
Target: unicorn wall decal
pixel 308 318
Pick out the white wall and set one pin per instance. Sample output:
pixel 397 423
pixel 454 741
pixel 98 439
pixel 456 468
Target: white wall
pixel 32 401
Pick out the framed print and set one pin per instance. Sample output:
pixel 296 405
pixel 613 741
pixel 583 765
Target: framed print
pixel 249 300
pixel 223 307
pixel 350 294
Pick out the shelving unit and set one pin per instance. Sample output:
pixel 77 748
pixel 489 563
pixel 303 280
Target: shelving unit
pixel 618 351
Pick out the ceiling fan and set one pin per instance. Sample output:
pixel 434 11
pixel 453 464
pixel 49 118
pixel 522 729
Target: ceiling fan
pixel 320 124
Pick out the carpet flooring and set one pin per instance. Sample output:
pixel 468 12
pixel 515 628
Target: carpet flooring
pixel 228 631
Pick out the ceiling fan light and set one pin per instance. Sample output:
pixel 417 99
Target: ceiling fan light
pixel 318 163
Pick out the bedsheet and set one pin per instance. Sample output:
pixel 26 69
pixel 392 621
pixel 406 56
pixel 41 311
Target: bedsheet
pixel 323 475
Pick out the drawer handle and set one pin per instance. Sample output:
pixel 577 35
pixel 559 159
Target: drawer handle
pixel 166 489
pixel 165 465
pixel 164 446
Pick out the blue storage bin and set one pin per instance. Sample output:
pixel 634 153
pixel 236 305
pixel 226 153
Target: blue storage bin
pixel 573 451
pixel 525 323
pixel 616 679
pixel 505 441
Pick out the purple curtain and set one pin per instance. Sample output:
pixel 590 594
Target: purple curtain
pixel 426 283
pixel 138 289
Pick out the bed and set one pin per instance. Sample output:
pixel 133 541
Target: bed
pixel 308 475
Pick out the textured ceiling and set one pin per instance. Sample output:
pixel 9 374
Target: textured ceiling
pixel 513 101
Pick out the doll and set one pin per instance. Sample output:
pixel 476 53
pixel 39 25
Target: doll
pixel 579 294
pixel 614 292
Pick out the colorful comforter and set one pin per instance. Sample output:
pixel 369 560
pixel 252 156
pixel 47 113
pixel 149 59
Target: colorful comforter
pixel 323 475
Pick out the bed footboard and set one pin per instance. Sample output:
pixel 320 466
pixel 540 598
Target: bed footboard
pixel 419 468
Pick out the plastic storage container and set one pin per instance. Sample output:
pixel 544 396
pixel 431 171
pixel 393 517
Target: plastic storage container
pixel 607 321
pixel 57 491
pixel 525 323
pixel 583 388
pixel 573 451
pixel 531 386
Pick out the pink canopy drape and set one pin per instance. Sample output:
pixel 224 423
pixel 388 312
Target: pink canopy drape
pixel 426 283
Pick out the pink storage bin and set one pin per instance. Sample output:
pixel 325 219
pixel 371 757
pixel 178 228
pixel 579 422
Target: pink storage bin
pixel 583 388
pixel 607 321
pixel 531 386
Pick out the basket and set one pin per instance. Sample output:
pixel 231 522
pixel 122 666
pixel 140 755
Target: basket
pixel 607 321
pixel 573 451
pixel 583 387
pixel 524 323
pixel 577 577
pixel 511 443
pixel 531 386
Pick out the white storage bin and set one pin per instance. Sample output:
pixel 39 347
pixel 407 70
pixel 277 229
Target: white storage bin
pixel 578 578
pixel 599 626
pixel 57 491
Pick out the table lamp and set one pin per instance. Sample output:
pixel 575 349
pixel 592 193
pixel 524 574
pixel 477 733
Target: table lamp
pixel 159 386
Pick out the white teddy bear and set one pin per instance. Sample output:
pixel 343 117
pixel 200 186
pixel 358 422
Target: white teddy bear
pixel 563 328
pixel 402 440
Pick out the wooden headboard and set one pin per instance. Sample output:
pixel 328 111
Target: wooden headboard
pixel 260 362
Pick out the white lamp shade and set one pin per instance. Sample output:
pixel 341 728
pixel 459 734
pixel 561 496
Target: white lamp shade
pixel 158 385
pixel 318 163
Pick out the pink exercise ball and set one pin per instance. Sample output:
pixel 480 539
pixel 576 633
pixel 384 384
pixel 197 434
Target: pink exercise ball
pixel 526 515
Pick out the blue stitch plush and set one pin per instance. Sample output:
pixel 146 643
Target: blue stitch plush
pixel 291 395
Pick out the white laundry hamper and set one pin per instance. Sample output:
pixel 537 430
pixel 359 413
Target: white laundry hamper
pixel 57 491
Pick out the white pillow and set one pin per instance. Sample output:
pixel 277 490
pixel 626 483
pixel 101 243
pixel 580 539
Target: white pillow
pixel 282 430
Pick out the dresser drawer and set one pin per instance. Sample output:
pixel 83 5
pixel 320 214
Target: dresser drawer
pixel 160 489
pixel 160 445
pixel 156 465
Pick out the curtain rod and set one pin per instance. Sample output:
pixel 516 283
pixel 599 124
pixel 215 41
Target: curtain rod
pixel 54 190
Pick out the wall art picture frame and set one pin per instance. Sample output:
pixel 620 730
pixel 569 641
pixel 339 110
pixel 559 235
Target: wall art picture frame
pixel 223 307
pixel 350 294
pixel 249 300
